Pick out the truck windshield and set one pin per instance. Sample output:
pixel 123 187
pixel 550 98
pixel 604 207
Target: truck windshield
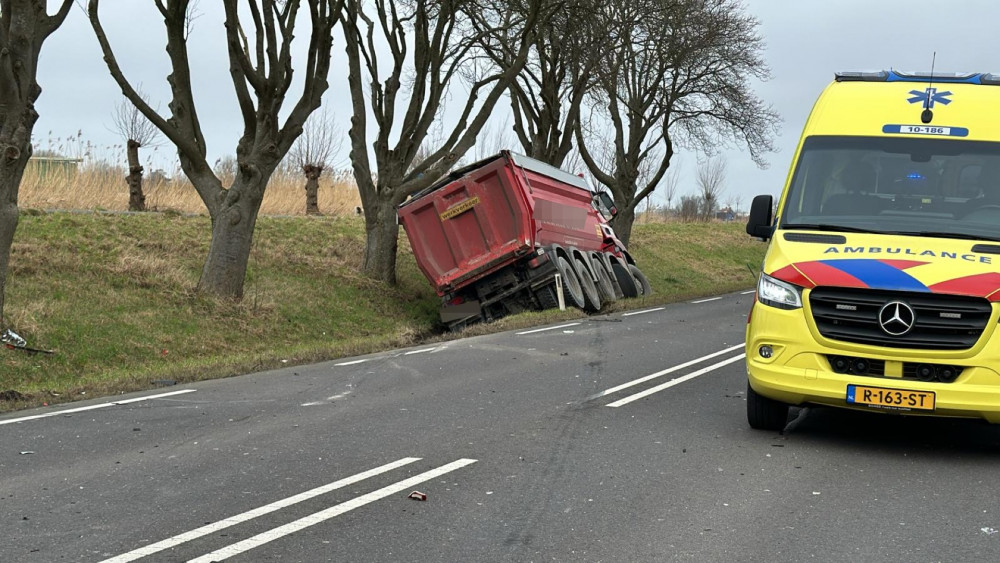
pixel 895 185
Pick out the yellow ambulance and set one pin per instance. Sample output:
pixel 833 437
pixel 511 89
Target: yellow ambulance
pixel 880 284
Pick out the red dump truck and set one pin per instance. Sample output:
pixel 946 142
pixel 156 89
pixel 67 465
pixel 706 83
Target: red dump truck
pixel 492 237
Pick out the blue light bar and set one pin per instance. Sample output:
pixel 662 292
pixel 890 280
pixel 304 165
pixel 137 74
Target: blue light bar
pixel 992 79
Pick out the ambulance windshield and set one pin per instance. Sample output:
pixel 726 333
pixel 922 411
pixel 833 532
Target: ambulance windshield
pixel 896 185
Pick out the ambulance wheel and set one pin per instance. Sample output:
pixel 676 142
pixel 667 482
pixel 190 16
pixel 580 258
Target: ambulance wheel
pixel 604 285
pixel 571 284
pixel 764 413
pixel 625 280
pixel 641 282
pixel 590 294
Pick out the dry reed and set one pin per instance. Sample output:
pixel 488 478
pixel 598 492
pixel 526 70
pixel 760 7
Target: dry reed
pixel 103 187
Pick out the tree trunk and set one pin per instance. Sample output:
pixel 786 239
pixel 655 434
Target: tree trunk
pixel 622 223
pixel 232 238
pixel 10 179
pixel 382 240
pixel 312 173
pixel 136 199
pixel 14 154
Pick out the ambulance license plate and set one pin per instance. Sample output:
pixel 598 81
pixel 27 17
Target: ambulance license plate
pixel 893 399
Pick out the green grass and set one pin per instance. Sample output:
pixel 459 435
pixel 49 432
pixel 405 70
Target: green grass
pixel 113 295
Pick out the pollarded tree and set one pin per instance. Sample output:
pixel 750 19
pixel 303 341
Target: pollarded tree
pixel 313 153
pixel 260 66
pixel 405 58
pixel 711 179
pixel 137 132
pixel 680 76
pixel 24 27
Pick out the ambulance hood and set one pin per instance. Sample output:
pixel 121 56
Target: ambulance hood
pixel 887 262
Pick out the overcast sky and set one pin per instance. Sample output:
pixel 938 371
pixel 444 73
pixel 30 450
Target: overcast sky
pixel 807 41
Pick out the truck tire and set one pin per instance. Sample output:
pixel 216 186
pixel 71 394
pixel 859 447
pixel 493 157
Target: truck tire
pixel 610 259
pixel 547 297
pixel 625 280
pixel 604 285
pixel 590 294
pixel 641 282
pixel 571 283
pixel 764 413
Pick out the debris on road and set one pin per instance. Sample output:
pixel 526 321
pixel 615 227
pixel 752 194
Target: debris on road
pixel 27 452
pixel 417 495
pixel 989 531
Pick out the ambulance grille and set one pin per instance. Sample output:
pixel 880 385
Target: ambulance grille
pixel 942 322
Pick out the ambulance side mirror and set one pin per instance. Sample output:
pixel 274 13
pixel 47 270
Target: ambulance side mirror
pixel 759 222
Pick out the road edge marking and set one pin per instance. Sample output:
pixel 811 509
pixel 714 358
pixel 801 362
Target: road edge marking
pixel 94 407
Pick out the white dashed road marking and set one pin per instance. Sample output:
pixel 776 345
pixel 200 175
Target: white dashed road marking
pixel 239 518
pixel 95 407
pixel 673 382
pixel 324 515
pixel 706 300
pixel 546 328
pixel 351 363
pixel 641 312
pixel 664 372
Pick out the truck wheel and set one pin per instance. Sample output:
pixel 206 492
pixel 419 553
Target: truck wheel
pixel 764 413
pixel 571 283
pixel 590 294
pixel 604 285
pixel 625 280
pixel 547 297
pixel 641 282
pixel 610 259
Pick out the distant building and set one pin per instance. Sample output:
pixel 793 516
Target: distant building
pixel 725 214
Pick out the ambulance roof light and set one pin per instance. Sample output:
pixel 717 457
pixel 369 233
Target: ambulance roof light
pixel 901 76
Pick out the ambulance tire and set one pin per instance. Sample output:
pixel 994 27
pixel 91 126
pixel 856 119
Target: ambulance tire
pixel 641 282
pixel 764 413
pixel 604 285
pixel 591 297
pixel 571 284
pixel 625 280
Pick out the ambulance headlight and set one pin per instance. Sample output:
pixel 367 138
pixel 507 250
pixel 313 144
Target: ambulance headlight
pixel 777 293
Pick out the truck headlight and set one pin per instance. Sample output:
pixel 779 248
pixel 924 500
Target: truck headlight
pixel 777 293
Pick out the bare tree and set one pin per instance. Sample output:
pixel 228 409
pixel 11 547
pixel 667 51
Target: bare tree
pixel 711 181
pixel 669 185
pixel 24 27
pixel 430 45
pixel 260 66
pixel 680 77
pixel 547 96
pixel 313 154
pixel 136 131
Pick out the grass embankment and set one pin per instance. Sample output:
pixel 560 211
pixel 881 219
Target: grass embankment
pixel 113 295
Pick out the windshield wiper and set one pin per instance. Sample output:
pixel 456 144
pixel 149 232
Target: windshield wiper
pixel 942 234
pixel 830 228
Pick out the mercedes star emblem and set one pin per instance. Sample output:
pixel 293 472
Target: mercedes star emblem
pixel 896 318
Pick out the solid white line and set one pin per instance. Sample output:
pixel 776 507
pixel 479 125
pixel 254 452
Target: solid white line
pixel 419 351
pixel 350 363
pixel 706 300
pixel 239 518
pixel 664 372
pixel 94 407
pixel 546 328
pixel 323 515
pixel 748 292
pixel 673 382
pixel 641 312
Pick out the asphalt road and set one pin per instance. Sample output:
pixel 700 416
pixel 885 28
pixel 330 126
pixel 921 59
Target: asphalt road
pixel 617 438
